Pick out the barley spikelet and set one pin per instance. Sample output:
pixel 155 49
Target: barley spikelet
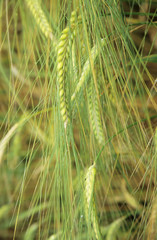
pixel 90 209
pixel 94 113
pixel 64 45
pixel 86 70
pixel 40 18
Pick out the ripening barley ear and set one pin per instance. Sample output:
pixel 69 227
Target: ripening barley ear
pixel 64 45
pixel 94 113
pixel 90 209
pixel 40 18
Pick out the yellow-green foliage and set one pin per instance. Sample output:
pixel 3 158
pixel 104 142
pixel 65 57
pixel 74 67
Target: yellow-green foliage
pixel 40 18
pixel 90 209
pixel 94 113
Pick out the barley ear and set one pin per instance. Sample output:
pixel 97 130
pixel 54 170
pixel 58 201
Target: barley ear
pixel 64 45
pixel 94 113
pixel 40 18
pixel 90 209
pixel 113 228
pixel 6 139
pixel 130 200
pixel 87 69
pixel 61 65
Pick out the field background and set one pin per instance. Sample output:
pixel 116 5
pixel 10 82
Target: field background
pixel 78 117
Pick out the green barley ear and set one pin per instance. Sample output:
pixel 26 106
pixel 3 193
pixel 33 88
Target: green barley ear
pixel 31 231
pixel 113 228
pixel 130 200
pixel 40 18
pixel 78 48
pixel 94 113
pixel 87 69
pixel 62 59
pixel 6 139
pixel 90 209
pixel 82 44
